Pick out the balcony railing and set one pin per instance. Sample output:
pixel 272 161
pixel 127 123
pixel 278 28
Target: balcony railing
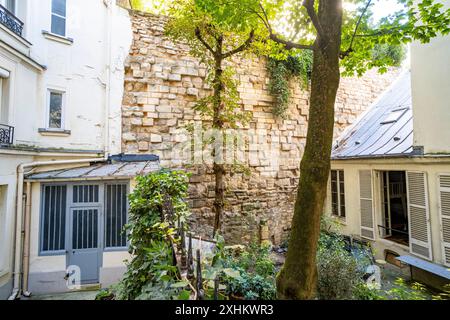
pixel 6 135
pixel 9 20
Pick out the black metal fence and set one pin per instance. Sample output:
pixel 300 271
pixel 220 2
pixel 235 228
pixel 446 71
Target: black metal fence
pixel 9 20
pixel 6 135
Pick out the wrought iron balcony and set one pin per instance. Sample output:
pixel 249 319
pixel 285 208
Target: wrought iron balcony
pixel 9 20
pixel 6 135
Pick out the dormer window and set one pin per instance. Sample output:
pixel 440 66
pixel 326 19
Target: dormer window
pixel 394 116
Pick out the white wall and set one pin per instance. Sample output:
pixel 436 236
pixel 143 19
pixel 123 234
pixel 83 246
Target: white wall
pixel 89 70
pixel 430 74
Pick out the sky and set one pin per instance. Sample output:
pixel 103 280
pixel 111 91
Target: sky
pixel 382 8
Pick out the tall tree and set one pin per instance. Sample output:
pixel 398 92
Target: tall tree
pixel 216 32
pixel 339 39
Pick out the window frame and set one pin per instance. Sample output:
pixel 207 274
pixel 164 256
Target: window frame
pixel 63 109
pixel 115 249
pixel 41 221
pixel 71 205
pixel 52 13
pixel 339 193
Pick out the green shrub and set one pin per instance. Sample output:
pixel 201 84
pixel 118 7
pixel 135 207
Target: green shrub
pixel 157 199
pixel 338 271
pixel 254 274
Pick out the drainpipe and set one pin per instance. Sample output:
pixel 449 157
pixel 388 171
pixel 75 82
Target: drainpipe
pixel 26 242
pixel 20 232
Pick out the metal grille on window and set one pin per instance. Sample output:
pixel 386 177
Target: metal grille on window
pixel 116 215
pixel 54 218
pixel 85 229
pixel 86 194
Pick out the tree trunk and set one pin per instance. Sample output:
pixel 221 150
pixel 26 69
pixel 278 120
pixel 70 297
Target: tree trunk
pixel 298 278
pixel 219 169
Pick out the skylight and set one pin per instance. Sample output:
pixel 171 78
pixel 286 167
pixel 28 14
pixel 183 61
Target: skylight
pixel 394 116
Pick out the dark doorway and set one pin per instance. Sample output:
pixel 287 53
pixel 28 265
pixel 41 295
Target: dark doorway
pixel 395 212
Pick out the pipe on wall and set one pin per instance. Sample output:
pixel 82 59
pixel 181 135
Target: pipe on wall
pixel 20 230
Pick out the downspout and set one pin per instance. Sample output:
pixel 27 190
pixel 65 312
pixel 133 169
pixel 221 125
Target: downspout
pixel 26 242
pixel 20 232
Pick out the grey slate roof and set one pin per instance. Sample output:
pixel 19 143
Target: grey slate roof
pixel 103 171
pixel 384 130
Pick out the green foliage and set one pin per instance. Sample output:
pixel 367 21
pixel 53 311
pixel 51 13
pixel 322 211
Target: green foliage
pixel 230 114
pixel 255 271
pixel 395 54
pixel 281 71
pixel 416 22
pixel 157 199
pixel 338 271
pixel 401 291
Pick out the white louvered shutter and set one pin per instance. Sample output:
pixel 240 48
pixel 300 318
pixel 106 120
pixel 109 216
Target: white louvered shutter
pixel 418 215
pixel 444 205
pixel 366 208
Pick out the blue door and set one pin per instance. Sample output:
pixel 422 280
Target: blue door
pixel 84 250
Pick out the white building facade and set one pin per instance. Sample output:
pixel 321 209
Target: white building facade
pixel 61 87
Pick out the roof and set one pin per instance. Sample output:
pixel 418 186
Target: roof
pixel 384 130
pixel 102 171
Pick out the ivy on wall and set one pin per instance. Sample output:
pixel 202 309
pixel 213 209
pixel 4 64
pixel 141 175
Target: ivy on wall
pixel 299 66
pixel 281 72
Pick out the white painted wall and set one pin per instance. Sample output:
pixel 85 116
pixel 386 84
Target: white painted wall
pixel 89 70
pixel 430 74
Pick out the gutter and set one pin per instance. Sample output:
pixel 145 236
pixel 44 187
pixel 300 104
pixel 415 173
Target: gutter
pixel 21 248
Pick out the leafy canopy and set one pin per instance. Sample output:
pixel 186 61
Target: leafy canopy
pixel 365 42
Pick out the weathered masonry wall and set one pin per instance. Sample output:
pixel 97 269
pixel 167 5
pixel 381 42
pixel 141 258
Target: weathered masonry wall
pixel 162 83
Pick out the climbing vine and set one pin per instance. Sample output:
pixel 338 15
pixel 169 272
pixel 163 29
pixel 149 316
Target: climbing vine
pixel 281 72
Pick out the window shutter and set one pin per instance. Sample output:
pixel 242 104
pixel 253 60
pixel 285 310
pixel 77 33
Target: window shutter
pixel 419 215
pixel 365 188
pixel 444 205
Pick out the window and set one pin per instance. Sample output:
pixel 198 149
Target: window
pixel 116 215
pixel 3 231
pixel 76 215
pixel 53 218
pixel 55 110
pixel 337 193
pixel 10 5
pixel 59 17
pixel 4 101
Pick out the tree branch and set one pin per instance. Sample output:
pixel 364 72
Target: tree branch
pixel 242 47
pixel 288 45
pixel 350 47
pixel 198 34
pixel 309 5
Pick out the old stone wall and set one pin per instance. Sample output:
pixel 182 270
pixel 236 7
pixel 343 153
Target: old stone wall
pixel 163 83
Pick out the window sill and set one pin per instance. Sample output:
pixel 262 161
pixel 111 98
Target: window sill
pixel 341 220
pixel 54 132
pixel 57 38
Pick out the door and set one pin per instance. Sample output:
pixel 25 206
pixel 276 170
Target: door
pixel 84 245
